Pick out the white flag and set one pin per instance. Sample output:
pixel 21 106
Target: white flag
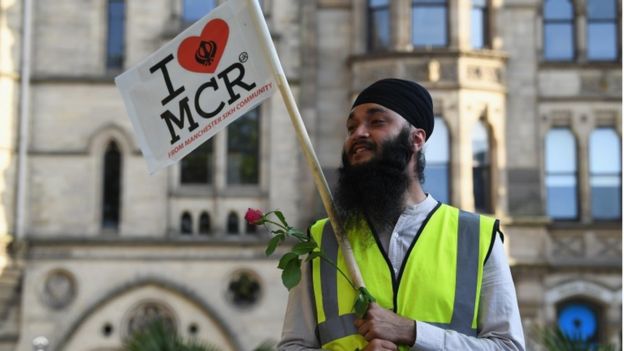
pixel 197 84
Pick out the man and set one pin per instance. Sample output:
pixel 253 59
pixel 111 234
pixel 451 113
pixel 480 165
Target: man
pixel 439 275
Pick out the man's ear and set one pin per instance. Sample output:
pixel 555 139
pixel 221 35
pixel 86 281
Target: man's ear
pixel 418 138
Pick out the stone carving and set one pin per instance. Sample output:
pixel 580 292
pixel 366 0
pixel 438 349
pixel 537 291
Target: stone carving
pixel 244 289
pixel 568 246
pixel 147 312
pixel 59 289
pixel 611 246
pixel 484 73
pixel 434 70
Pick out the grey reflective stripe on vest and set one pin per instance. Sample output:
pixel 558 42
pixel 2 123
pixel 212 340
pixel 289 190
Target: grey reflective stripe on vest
pixel 466 273
pixel 467 266
pixel 335 326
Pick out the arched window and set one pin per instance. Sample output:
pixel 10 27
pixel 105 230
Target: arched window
pixel 196 167
pixel 602 30
pixel 580 319
pixel 204 223
pixel 111 190
pixel 605 172
pixel 481 173
pixel 115 43
pixel 561 175
pixel 378 17
pixel 243 149
pixel 195 9
pixel 479 23
pixel 186 223
pixel 437 166
pixel 429 23
pixel 232 223
pixel 558 30
pixel 251 228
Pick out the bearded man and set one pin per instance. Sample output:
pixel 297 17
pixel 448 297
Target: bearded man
pixel 440 275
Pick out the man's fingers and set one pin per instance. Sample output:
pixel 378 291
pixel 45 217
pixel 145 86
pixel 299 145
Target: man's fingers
pixel 387 345
pixel 363 329
pixel 380 345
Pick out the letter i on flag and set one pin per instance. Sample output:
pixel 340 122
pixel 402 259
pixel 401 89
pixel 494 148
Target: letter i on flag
pixel 205 78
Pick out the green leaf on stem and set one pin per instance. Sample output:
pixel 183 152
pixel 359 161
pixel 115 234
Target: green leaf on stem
pixel 272 245
pixel 291 275
pixel 362 301
pixel 297 234
pixel 304 248
pixel 286 258
pixel 281 217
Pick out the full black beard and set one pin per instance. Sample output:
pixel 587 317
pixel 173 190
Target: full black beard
pixel 375 189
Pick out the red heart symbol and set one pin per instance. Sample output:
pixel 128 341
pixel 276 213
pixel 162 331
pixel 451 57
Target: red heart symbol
pixel 202 54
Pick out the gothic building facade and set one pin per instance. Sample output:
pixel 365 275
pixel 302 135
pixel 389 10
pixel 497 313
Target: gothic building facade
pixel 527 97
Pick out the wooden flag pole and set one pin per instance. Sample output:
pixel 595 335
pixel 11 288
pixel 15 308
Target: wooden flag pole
pixel 304 141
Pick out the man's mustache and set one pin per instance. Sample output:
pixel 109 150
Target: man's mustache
pixel 367 144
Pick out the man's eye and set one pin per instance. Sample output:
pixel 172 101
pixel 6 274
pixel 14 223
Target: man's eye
pixel 377 121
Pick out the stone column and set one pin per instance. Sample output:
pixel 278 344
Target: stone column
pixel 584 194
pixel 401 20
pixel 460 25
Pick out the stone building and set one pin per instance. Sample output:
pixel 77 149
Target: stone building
pixel 527 96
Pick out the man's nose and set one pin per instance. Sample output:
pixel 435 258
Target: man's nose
pixel 360 131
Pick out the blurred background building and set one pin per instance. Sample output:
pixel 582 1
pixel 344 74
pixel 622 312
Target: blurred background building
pixel 527 95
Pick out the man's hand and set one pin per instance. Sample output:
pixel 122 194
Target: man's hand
pixel 379 323
pixel 380 345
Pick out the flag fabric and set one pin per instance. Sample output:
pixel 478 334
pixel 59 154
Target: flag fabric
pixel 194 86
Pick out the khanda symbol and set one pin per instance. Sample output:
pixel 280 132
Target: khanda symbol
pixel 206 52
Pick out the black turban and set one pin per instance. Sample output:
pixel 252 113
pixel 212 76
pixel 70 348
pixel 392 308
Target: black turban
pixel 408 99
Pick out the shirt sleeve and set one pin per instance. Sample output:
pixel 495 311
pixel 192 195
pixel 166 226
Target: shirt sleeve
pixel 299 330
pixel 499 326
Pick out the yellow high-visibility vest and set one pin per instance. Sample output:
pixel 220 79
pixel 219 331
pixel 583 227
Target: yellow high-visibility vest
pixel 439 281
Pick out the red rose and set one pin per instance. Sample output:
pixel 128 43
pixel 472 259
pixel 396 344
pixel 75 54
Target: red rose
pixel 253 216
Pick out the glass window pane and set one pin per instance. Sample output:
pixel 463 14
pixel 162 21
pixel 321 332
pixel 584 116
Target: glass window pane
pixel 437 157
pixel 116 31
pixel 478 3
pixel 186 223
pixel 477 34
pixel 605 165
pixel 606 199
pixel 196 167
pixel 601 9
pixel 196 9
pixel 480 144
pixel 601 41
pixel 437 147
pixel 429 26
pixel 558 41
pixel 561 196
pixel 111 194
pixel 579 321
pixel 604 151
pixel 232 223
pixel 204 223
pixel 377 3
pixel 561 178
pixel 560 151
pixel 481 168
pixel 417 2
pixel 558 9
pixel 243 149
pixel 379 29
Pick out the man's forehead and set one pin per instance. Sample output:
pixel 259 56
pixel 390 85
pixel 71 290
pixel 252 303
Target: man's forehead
pixel 369 109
